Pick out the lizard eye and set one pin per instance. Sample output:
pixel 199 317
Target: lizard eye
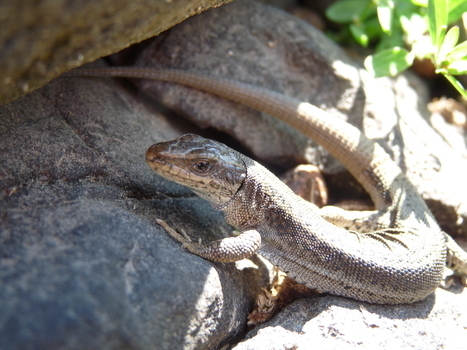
pixel 203 166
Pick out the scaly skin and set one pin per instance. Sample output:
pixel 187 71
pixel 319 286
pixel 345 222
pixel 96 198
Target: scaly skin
pixel 401 258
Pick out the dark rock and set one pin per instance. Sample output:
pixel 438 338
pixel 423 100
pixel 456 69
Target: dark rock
pixel 82 264
pixel 41 39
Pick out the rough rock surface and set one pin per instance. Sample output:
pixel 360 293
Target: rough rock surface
pixel 41 39
pixel 438 322
pixel 82 264
pixel 263 46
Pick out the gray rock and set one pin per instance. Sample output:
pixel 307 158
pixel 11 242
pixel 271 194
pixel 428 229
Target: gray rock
pixel 82 264
pixel 41 39
pixel 438 322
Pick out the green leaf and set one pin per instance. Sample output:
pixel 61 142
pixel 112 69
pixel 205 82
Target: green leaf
pixel 450 40
pixel 369 11
pixel 458 52
pixel 456 9
pixel 414 23
pixel 438 19
pixel 359 35
pixel 421 3
pixel 457 85
pixel 390 41
pixel 405 8
pixel 372 28
pixel 346 11
pixel 385 10
pixel 458 67
pixel 389 62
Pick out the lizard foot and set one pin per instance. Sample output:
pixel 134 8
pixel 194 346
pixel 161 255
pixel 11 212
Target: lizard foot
pixel 228 249
pixel 454 279
pixel 181 237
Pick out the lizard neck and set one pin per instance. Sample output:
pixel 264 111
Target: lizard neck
pixel 259 194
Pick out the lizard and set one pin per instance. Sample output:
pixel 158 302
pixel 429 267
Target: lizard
pixel 392 255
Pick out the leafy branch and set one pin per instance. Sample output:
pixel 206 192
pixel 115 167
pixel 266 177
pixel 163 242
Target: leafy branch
pixel 404 30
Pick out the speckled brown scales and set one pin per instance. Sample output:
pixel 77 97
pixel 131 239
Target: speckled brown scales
pixel 398 254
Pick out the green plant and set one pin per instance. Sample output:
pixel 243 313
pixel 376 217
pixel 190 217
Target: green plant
pixel 395 25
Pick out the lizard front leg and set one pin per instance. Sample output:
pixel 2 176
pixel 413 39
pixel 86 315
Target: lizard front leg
pixel 224 250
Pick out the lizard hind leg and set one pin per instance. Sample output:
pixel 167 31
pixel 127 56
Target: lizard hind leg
pixel 456 258
pixel 360 221
pixel 224 250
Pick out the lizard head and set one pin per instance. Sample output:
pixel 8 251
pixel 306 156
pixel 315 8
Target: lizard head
pixel 209 168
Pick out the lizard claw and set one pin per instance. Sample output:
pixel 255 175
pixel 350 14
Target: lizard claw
pixel 181 237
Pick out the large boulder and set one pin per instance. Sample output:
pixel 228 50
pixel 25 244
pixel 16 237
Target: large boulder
pixel 82 263
pixel 39 40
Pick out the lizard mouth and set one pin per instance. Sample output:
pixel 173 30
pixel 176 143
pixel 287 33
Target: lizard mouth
pixel 171 159
pixel 210 169
pixel 177 152
pixel 161 158
pixel 154 155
